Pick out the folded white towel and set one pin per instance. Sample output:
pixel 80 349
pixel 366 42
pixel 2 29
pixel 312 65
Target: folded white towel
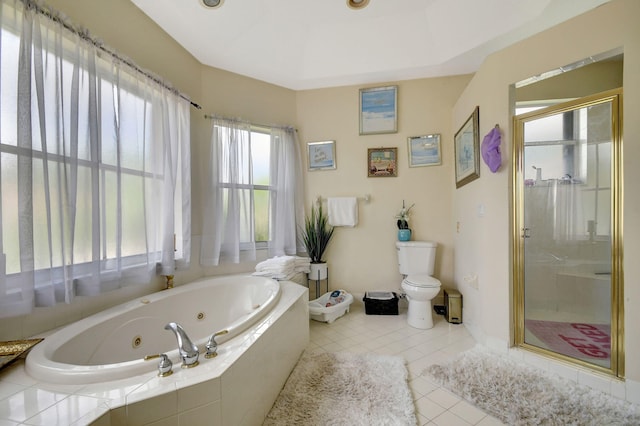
pixel 343 211
pixel 286 265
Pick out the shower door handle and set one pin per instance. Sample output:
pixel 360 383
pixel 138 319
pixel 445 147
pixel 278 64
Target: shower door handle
pixel 526 233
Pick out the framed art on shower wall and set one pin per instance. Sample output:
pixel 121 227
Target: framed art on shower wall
pixel 467 150
pixel 321 155
pixel 424 150
pixel 379 110
pixel 382 162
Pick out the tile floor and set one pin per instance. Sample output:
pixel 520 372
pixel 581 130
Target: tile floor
pixel 391 335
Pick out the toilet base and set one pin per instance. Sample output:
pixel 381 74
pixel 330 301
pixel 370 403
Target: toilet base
pixel 419 314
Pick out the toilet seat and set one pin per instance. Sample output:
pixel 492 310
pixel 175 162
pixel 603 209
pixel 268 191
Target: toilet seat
pixel 422 280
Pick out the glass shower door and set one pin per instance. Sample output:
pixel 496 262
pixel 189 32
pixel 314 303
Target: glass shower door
pixel 567 192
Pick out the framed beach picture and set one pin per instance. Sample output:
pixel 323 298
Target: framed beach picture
pixel 322 155
pixel 379 110
pixel 424 150
pixel 382 162
pixel 467 150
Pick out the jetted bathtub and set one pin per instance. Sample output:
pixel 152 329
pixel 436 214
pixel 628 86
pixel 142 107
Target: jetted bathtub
pixel 112 344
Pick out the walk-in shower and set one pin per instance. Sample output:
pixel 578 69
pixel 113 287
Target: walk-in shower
pixel 567 209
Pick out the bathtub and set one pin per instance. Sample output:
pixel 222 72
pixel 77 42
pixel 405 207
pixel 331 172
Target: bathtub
pixel 112 344
pixel 569 286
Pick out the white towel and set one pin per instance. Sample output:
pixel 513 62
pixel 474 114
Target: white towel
pixel 343 211
pixel 282 267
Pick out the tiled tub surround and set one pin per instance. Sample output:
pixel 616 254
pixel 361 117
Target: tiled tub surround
pixel 112 344
pixel 236 387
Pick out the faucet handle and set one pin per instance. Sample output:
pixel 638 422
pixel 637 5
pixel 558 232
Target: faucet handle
pixel 212 345
pixel 164 366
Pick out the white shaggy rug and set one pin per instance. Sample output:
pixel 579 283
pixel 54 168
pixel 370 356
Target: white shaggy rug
pixel 519 394
pixel 345 389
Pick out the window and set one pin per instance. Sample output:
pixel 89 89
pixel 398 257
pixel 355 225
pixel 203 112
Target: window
pixel 574 147
pixel 253 179
pixel 252 196
pixel 94 167
pixel 261 156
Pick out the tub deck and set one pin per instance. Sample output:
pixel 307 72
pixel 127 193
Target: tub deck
pixel 236 387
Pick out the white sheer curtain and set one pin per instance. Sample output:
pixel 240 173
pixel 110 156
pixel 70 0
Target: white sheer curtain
pixel 565 200
pixel 229 213
pixel 95 157
pixel 287 211
pixel 554 211
pixel 228 219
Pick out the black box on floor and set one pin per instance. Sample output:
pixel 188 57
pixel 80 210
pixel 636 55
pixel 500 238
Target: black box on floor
pixel 380 303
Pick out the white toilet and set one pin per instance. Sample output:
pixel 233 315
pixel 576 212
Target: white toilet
pixel 416 260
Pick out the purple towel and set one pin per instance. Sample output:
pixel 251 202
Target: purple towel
pixel 490 149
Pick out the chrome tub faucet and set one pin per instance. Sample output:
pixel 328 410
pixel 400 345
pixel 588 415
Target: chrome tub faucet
pixel 212 345
pixel 164 366
pixel 188 351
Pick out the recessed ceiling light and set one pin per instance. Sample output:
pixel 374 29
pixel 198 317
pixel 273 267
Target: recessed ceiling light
pixel 212 3
pixel 357 4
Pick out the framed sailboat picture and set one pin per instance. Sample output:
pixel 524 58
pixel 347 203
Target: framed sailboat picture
pixel 322 155
pixel 424 150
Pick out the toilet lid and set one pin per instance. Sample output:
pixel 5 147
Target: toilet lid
pixel 422 281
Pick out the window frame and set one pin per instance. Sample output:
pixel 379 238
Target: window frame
pixel 258 244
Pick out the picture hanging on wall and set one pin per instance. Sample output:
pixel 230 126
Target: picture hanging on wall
pixel 379 110
pixel 467 150
pixel 382 162
pixel 424 150
pixel 322 155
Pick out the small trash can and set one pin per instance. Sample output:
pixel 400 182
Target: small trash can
pixel 380 303
pixel 453 305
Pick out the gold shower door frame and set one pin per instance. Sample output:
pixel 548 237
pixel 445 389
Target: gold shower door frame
pixel 614 97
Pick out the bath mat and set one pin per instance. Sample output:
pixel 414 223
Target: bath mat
pixel 521 395
pixel 590 342
pixel 345 389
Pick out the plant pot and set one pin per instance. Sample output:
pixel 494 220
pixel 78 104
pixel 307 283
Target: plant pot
pixel 404 234
pixel 318 271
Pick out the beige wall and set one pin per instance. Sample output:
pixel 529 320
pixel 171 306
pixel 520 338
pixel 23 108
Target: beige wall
pixel 584 81
pixel 364 258
pixel 483 245
pixel 125 28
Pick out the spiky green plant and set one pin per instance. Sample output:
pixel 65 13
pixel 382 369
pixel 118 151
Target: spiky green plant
pixel 317 233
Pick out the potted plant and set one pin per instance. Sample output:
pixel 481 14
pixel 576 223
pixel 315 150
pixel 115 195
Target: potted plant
pixel 316 236
pixel 404 232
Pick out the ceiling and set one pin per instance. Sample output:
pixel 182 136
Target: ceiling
pixel 304 44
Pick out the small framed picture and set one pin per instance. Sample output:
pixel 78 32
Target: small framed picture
pixel 322 155
pixel 379 110
pixel 467 150
pixel 424 150
pixel 382 162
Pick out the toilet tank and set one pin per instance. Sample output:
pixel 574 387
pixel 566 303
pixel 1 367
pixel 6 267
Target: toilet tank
pixel 416 257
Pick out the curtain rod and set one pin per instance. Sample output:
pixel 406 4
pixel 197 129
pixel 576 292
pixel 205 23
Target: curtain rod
pixel 239 120
pixel 56 16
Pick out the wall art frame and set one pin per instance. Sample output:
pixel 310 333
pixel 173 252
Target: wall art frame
pixel 379 110
pixel 467 150
pixel 424 150
pixel 321 155
pixel 382 162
